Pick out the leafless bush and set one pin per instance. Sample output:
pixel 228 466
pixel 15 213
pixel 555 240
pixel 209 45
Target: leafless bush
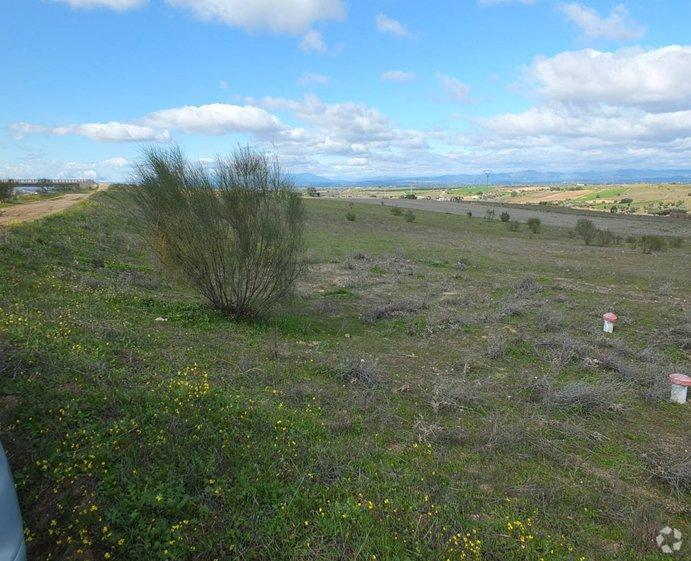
pixel 495 347
pixel 670 466
pixel 361 370
pixel 514 308
pixel 452 394
pixel 553 321
pixel 432 432
pixel 562 350
pixel 235 234
pixel 587 397
pixel 528 286
pixel 396 309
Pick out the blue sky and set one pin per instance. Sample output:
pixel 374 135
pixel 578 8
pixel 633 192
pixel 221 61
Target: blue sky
pixel 346 89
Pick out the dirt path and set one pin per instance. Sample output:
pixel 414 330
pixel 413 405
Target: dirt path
pixel 26 212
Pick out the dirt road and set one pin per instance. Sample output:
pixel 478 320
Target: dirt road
pixel 619 224
pixel 32 211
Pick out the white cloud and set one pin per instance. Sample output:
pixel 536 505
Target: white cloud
pixel 112 131
pixel 601 123
pixel 214 119
pixel 655 78
pixel 454 89
pixel 293 17
pixel 116 5
pixel 358 162
pixel 308 79
pixel 618 25
pixel 313 42
pixel 392 26
pixel 117 162
pixel 398 76
pixel 211 119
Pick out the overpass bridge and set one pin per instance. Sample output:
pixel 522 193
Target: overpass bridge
pixel 40 181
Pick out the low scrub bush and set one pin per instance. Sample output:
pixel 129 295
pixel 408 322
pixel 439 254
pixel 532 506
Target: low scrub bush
pixel 505 217
pixel 605 237
pixel 513 225
pixel 650 244
pixel 396 211
pixel 534 225
pixel 350 216
pixel 236 235
pixel 409 216
pixel 675 242
pixel 586 230
pixel 409 196
pixel 469 214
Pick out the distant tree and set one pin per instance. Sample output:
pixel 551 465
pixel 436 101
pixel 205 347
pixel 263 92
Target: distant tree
pixel 312 192
pixel 409 196
pixel 534 225
pixel 504 217
pixel 7 189
pixel 44 185
pixel 586 229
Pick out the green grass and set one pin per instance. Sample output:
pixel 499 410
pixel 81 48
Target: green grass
pixel 201 438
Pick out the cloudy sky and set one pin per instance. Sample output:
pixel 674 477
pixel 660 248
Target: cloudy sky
pixel 346 88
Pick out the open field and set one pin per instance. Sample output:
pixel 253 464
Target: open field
pixel 621 224
pixel 436 389
pixel 644 198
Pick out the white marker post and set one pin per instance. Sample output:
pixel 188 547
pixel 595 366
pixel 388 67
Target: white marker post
pixel 680 385
pixel 610 319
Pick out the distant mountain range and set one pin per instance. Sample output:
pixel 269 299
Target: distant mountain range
pixel 508 178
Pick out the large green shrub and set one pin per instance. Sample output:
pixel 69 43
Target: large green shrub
pixel 235 234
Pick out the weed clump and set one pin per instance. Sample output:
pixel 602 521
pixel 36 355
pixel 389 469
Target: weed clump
pixel 504 217
pixel 409 216
pixel 350 216
pixel 396 210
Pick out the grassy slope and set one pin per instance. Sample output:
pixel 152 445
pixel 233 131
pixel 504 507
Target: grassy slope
pixel 199 438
